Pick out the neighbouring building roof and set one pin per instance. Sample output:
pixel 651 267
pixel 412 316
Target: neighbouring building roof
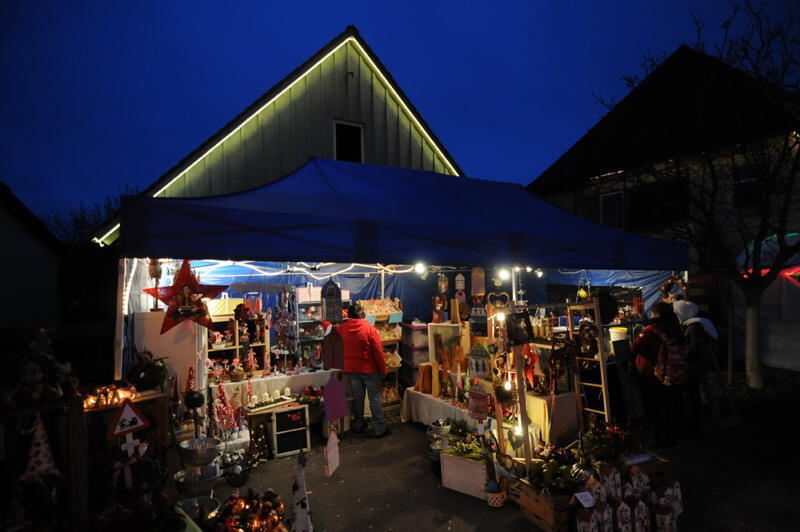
pixel 689 104
pixel 13 205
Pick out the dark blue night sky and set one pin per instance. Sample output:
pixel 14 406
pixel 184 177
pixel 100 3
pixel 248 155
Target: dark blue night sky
pixel 98 95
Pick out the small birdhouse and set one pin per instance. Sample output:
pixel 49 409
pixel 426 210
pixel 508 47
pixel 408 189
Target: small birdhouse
pixel 331 302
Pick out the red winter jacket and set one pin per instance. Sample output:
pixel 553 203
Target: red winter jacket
pixel 363 350
pixel 647 345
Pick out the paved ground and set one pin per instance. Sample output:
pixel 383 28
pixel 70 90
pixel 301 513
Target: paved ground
pixel 744 478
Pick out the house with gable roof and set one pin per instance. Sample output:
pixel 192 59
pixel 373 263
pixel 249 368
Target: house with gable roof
pixel 342 104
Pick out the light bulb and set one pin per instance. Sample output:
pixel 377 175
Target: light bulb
pixel 518 430
pixel 420 268
pixel 539 273
pixel 501 316
pixel 504 274
pixel 517 268
pixel 507 385
pixel 528 269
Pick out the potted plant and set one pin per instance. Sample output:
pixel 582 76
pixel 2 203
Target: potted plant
pixel 236 371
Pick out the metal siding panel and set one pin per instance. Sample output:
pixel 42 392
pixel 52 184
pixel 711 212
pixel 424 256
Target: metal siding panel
pixel 197 180
pixel 427 157
pixel 338 81
pixel 235 179
pixel 379 126
pixel 392 132
pixel 216 171
pixel 416 149
pixel 437 166
pixel 285 132
pixel 316 119
pixel 328 90
pixel 353 84
pixel 253 156
pixel 269 141
pixel 403 141
pixel 367 117
pixel 302 147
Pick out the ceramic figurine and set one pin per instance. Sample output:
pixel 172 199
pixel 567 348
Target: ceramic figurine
pixel 624 517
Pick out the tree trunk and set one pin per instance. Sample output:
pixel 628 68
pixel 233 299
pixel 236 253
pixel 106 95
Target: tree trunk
pixel 752 354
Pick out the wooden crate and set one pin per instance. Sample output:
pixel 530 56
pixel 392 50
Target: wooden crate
pixel 548 512
pixel 464 475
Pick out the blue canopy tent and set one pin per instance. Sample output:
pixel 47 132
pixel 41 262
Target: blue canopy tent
pixel 337 211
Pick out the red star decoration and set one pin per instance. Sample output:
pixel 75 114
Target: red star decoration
pixel 180 307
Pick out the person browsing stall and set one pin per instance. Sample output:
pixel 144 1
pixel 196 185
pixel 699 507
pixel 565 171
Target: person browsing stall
pixel 657 348
pixel 365 366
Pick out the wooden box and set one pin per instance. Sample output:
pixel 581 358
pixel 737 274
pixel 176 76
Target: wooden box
pixel 548 512
pixel 290 430
pixel 464 475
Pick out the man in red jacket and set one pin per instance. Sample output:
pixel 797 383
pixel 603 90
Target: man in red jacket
pixel 365 365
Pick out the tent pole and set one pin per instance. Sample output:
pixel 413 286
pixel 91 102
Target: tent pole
pixel 513 285
pixel 383 283
pixel 120 322
pixel 519 368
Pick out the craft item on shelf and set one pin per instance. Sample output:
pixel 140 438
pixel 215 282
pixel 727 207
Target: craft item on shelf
pixel 185 299
pixel 478 401
pixel 604 517
pixel 478 284
pixel 478 319
pixel 460 282
pixel 479 361
pixel 641 517
pixel 664 518
pixel 610 478
pixel 586 521
pixel 154 271
pixel 518 328
pixel 624 516
pixel 640 481
pixel 40 456
pixel 276 394
pixel 442 284
pixel 440 305
pixel 596 488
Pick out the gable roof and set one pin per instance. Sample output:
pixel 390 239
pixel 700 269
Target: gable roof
pixel 11 203
pixel 690 103
pixel 350 34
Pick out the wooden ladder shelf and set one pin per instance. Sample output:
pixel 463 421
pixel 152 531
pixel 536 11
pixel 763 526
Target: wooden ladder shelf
pixel 601 359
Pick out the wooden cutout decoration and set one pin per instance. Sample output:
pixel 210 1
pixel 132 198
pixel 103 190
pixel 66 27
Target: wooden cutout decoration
pixel 479 362
pixel 331 302
pixel 478 282
pixel 461 282
pixel 128 419
pixel 443 284
pixel 455 311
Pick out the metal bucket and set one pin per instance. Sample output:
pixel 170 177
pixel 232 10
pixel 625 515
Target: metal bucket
pixel 199 451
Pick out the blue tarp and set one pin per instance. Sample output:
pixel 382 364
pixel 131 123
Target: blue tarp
pixel 336 211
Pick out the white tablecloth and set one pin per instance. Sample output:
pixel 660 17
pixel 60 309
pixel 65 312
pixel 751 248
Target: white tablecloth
pixel 425 408
pixel 235 391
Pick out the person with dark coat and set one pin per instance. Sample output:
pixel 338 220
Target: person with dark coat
pixel 365 366
pixel 701 336
pixel 660 400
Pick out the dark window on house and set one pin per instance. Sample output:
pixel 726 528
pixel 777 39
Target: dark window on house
pixel 349 142
pixel 612 209
pixel 588 207
pixel 656 205
pixel 746 192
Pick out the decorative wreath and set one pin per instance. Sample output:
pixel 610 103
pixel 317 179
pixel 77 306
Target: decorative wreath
pixel 668 288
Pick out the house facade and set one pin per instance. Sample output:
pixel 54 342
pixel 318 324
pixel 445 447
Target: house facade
pixel 340 104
